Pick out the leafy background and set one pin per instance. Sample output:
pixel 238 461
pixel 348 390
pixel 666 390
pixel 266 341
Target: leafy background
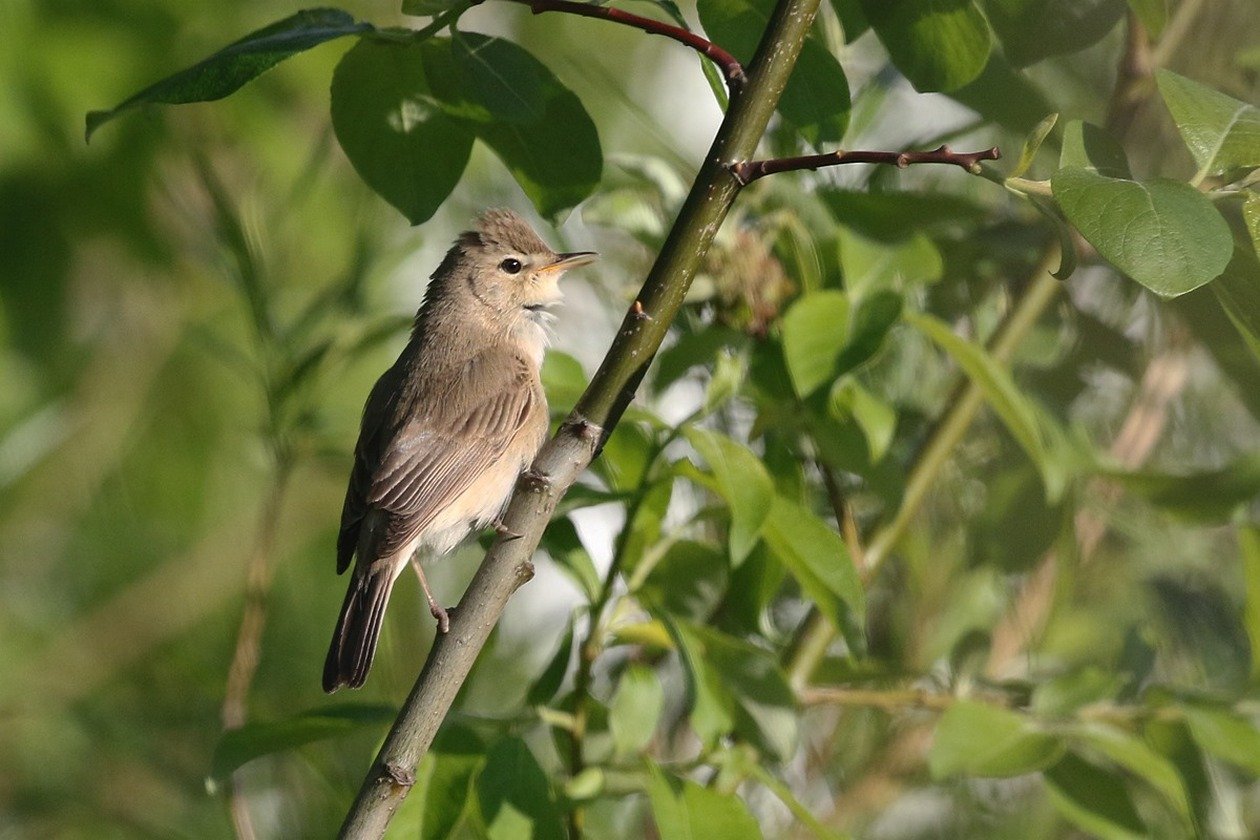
pixel 847 602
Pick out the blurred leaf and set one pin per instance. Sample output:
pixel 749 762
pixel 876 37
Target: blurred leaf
pixel 635 709
pixel 1164 234
pixel 1032 145
pixel 627 456
pixel 876 419
pixel 1016 526
pixel 239 746
pixel 1094 800
pixel 516 798
pixel 407 149
pixel 1153 14
pixel 1238 291
pixel 742 481
pixel 1249 548
pixel 446 780
pixel 852 18
pixel 1086 146
pixel 868 327
pixel 564 546
pixel 729 373
pixel 644 530
pixel 239 62
pixel 871 265
pixel 431 8
pixel 1031 30
pixel 692 350
pixel 764 707
pixel 976 739
pixel 586 785
pixel 683 810
pixel 939 45
pixel 1226 736
pixel 893 216
pixel 1208 496
pixel 688 581
pixel 1005 96
pixel 816 99
pixel 817 557
pixel 815 331
pixel 1134 755
pixel 710 707
pixel 1221 132
pixel 1011 405
pixel 544 689
pixel 564 380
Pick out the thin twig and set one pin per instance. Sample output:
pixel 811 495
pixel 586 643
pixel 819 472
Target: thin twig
pixel 748 171
pixel 731 69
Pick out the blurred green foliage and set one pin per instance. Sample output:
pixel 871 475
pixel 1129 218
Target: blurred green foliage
pixel 806 590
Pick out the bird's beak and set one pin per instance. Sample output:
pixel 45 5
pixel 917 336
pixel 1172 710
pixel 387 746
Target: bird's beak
pixel 573 259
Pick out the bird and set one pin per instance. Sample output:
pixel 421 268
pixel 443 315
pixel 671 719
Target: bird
pixel 449 428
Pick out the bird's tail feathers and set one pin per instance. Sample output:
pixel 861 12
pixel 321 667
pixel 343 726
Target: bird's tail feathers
pixel 358 628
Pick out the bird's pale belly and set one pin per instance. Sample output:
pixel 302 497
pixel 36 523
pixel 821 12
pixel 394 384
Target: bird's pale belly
pixel 473 509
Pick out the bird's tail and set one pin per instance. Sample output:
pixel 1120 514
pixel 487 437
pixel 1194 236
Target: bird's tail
pixel 358 628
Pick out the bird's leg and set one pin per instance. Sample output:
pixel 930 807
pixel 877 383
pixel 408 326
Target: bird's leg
pixel 438 612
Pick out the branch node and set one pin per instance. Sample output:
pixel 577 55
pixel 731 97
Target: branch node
pixel 524 571
pixel 741 170
pixel 639 312
pixel 398 777
pixel 582 428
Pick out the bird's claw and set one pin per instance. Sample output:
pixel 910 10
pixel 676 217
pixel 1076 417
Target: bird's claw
pixel 504 532
pixel 442 615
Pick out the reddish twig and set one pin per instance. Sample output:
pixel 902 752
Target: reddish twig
pixel 731 69
pixel 747 171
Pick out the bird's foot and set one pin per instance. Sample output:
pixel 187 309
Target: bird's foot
pixel 535 481
pixel 442 615
pixel 506 533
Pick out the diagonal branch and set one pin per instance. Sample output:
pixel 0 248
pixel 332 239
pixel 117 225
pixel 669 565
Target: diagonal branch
pixel 731 69
pixel 748 171
pixel 508 563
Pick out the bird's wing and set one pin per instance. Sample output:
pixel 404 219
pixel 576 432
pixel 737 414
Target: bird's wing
pixel 441 449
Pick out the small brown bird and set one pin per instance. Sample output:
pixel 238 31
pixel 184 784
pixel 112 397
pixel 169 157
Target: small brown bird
pixel 448 429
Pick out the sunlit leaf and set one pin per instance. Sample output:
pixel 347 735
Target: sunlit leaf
pixel 1164 234
pixel 815 331
pixel 742 481
pixel 977 739
pixel 239 62
pixel 683 810
pixel 688 581
pixel 1226 735
pixel 939 45
pixel 876 419
pixel 1222 133
pixel 635 709
pixel 1032 145
pixel 1135 756
pixel 446 787
pixel 817 557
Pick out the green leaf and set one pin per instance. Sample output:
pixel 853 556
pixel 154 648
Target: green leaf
pixel 1222 133
pixel 816 99
pixel 688 581
pixel 815 331
pixel 1153 14
pixel 939 45
pixel 1238 291
pixel 817 557
pixel 516 798
pixel 763 707
pixel 643 532
pixel 1226 736
pixel 683 810
pixel 564 380
pixel 709 704
pixel 549 681
pixel 1032 145
pixel 502 77
pixel 556 158
pixel 896 216
pixel 431 8
pixel 1086 146
pixel 239 62
pixel 252 740
pixel 742 481
pixel 1011 405
pixel 445 782
pixel 1093 800
pixel 876 419
pixel 1164 234
pixel 635 709
pixel 871 265
pixel 393 130
pixel 1032 30
pixel 564 546
pixel 1135 756
pixel 1207 496
pixel 1249 548
pixel 976 739
pixel 868 327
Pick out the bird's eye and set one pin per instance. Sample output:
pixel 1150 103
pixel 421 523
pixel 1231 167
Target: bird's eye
pixel 511 265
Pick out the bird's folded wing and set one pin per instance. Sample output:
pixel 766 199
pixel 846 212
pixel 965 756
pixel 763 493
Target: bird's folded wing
pixel 438 454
